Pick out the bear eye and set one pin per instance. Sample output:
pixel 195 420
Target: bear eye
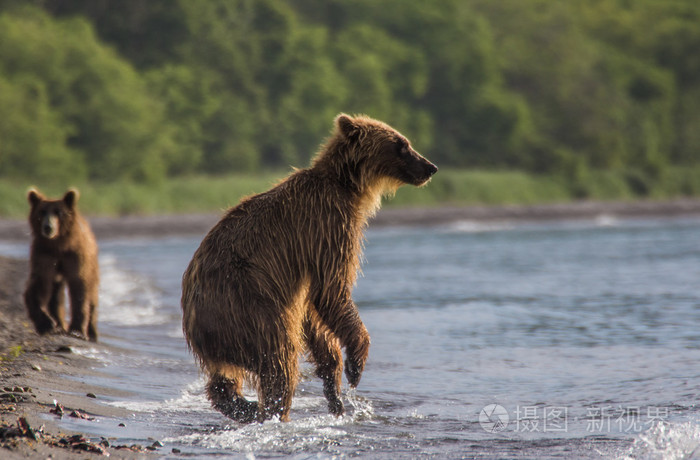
pixel 402 147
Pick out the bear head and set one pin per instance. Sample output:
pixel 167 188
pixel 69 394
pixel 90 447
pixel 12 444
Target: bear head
pixel 370 154
pixel 51 219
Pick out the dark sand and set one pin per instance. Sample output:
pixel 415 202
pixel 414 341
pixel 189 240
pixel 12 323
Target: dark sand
pixel 35 371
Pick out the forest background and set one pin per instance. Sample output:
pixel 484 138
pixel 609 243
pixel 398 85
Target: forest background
pixel 184 105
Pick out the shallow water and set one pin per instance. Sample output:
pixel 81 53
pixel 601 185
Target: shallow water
pixel 567 339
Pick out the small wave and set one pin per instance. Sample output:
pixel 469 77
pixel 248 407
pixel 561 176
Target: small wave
pixel 192 398
pixel 607 220
pixel 471 226
pixel 127 299
pixel 101 355
pixel 668 441
pixel 12 249
pixel 175 332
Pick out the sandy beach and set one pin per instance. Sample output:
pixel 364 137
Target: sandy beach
pixel 36 371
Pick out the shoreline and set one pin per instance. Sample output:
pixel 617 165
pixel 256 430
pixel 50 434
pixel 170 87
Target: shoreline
pixel 106 227
pixel 36 372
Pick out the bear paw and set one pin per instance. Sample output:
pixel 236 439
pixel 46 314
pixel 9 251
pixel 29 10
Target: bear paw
pixel 336 407
pixel 240 410
pixel 353 371
pixel 47 326
pixel 77 334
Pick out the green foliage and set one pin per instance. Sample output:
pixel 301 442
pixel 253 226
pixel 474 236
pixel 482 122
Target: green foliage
pixel 105 90
pixel 214 194
pixel 100 119
pixel 33 137
pixel 461 187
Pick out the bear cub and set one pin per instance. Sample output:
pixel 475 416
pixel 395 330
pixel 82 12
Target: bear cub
pixel 274 277
pixel 63 254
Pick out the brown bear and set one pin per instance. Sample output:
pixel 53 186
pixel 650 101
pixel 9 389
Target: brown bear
pixel 274 276
pixel 63 253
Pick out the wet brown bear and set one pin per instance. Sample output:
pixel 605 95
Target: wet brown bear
pixel 63 253
pixel 275 275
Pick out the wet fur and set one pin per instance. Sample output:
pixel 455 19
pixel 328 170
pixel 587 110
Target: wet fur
pixel 274 277
pixel 67 258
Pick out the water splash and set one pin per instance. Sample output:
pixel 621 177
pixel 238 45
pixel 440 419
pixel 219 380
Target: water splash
pixel 363 409
pixel 300 435
pixel 668 441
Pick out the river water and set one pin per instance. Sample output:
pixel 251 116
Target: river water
pixel 575 339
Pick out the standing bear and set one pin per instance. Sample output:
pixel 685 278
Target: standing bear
pixel 63 253
pixel 274 276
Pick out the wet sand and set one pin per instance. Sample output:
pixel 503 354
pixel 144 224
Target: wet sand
pixel 36 371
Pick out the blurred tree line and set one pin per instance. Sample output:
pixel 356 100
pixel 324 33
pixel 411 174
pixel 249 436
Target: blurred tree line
pixel 146 89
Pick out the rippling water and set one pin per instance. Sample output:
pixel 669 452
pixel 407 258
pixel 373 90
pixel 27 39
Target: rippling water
pixel 568 339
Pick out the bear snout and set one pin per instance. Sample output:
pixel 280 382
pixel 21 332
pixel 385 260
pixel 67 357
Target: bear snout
pixel 49 227
pixel 431 169
pixel 423 172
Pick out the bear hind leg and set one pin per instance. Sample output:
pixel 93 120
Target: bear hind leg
pixel 225 396
pixel 325 351
pixel 277 386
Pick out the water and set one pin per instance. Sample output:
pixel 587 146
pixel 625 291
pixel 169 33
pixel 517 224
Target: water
pixel 567 339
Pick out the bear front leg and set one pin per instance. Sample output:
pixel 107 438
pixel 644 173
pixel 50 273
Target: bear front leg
pixel 325 352
pixel 36 299
pixel 92 324
pixel 79 308
pixel 225 396
pixel 56 307
pixel 356 351
pixel 339 313
pixel 92 299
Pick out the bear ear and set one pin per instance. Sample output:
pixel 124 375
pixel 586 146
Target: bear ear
pixel 34 197
pixel 71 197
pixel 346 125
